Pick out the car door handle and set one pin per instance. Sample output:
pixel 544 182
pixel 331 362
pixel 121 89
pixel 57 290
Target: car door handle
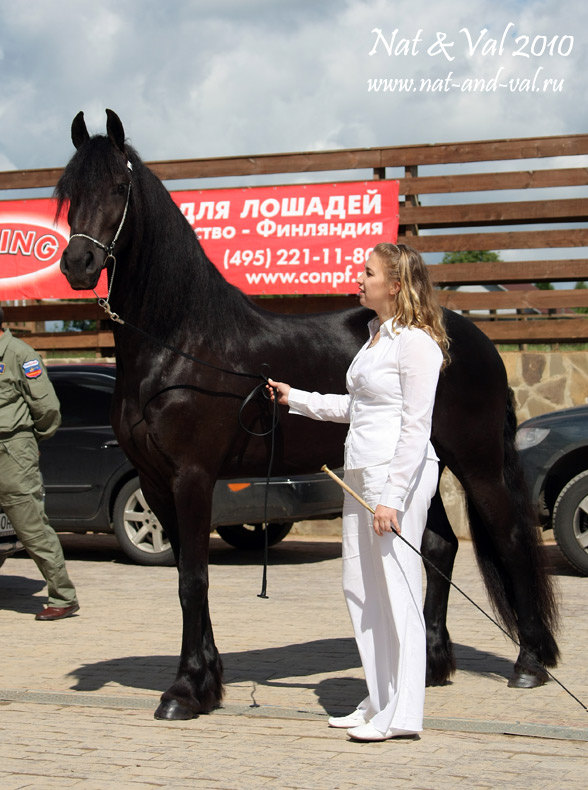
pixel 110 443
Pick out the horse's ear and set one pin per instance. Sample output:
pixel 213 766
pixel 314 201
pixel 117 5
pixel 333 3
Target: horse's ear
pixel 79 132
pixel 115 130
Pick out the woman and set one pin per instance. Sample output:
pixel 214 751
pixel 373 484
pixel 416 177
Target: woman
pixel 391 463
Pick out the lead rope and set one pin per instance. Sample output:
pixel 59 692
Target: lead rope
pixel 275 417
pixel 356 496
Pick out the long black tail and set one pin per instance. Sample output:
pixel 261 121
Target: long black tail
pixel 524 544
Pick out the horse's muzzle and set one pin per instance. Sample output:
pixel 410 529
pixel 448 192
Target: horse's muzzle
pixel 82 264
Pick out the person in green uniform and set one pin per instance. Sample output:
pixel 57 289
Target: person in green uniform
pixel 29 412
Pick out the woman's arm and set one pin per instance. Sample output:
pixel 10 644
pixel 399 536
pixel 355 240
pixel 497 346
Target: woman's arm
pixel 330 407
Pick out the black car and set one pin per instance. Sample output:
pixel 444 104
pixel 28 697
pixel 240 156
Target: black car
pixel 90 485
pixel 554 451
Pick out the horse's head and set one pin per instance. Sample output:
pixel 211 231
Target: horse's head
pixel 96 186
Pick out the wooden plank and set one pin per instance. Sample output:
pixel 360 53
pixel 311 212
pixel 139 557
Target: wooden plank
pixel 487 150
pixel 536 299
pixel 306 305
pixel 421 185
pixel 70 341
pixel 504 213
pixel 502 272
pixel 507 240
pixel 562 330
pixel 481 182
pixel 392 156
pixel 30 179
pixel 345 159
pixel 559 330
pixel 535 330
pixel 65 311
pixel 54 311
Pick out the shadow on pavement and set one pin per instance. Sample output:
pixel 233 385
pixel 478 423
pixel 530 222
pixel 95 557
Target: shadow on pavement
pixel 288 552
pixel 480 662
pixel 275 667
pixel 262 666
pixel 105 548
pixel 17 593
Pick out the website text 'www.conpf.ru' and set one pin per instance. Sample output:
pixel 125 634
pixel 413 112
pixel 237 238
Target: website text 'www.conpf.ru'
pixel 332 279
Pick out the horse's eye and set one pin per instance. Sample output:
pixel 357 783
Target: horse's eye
pixel 121 189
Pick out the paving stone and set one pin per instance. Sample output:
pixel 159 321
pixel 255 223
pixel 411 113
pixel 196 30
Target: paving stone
pixel 77 705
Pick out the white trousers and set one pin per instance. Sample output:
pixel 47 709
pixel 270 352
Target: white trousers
pixel 382 582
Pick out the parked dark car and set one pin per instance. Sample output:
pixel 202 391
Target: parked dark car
pixel 90 486
pixel 554 452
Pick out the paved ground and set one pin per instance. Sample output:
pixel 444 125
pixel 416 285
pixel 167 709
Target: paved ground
pixel 76 707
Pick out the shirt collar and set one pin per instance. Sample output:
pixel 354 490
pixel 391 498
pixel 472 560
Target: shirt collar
pixel 387 328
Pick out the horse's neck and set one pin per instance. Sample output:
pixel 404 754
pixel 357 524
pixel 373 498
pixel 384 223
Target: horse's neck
pixel 165 285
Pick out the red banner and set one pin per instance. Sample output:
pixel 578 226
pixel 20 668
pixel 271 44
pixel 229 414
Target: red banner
pixel 311 239
pixel 31 244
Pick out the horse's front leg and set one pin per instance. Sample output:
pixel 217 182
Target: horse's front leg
pixel 439 545
pixel 198 685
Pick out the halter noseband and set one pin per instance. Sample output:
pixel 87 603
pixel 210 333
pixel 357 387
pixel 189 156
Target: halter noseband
pixel 109 250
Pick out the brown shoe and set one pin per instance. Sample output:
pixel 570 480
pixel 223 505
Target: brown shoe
pixel 57 612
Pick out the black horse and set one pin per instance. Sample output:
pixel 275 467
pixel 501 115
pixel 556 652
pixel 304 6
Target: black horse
pixel 178 420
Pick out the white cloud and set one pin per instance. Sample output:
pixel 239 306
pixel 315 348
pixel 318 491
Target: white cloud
pixel 220 78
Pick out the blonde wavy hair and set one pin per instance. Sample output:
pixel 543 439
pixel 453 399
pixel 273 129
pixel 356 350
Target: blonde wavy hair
pixel 416 303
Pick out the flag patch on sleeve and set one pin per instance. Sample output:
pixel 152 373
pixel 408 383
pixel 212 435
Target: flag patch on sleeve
pixel 32 369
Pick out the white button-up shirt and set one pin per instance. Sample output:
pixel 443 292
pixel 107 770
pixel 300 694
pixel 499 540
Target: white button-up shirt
pixel 389 405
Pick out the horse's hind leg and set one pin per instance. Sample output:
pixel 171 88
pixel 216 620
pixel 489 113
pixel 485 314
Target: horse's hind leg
pixel 198 684
pixel 439 545
pixel 508 553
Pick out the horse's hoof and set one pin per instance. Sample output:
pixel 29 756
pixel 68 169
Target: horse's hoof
pixel 432 682
pixel 528 680
pixel 173 710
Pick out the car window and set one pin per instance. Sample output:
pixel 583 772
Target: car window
pixel 83 402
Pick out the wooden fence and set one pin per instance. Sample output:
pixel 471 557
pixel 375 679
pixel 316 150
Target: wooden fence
pixel 440 211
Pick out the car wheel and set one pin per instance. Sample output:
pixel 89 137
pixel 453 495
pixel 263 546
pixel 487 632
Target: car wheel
pixel 137 528
pixel 570 522
pixel 251 536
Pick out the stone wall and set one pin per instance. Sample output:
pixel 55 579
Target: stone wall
pixel 542 382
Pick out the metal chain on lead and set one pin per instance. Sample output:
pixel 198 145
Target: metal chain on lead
pixel 105 303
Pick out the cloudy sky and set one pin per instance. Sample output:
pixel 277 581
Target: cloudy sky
pixel 192 78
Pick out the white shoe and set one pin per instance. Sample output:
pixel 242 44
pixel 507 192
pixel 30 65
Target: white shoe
pixel 367 732
pixel 354 719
